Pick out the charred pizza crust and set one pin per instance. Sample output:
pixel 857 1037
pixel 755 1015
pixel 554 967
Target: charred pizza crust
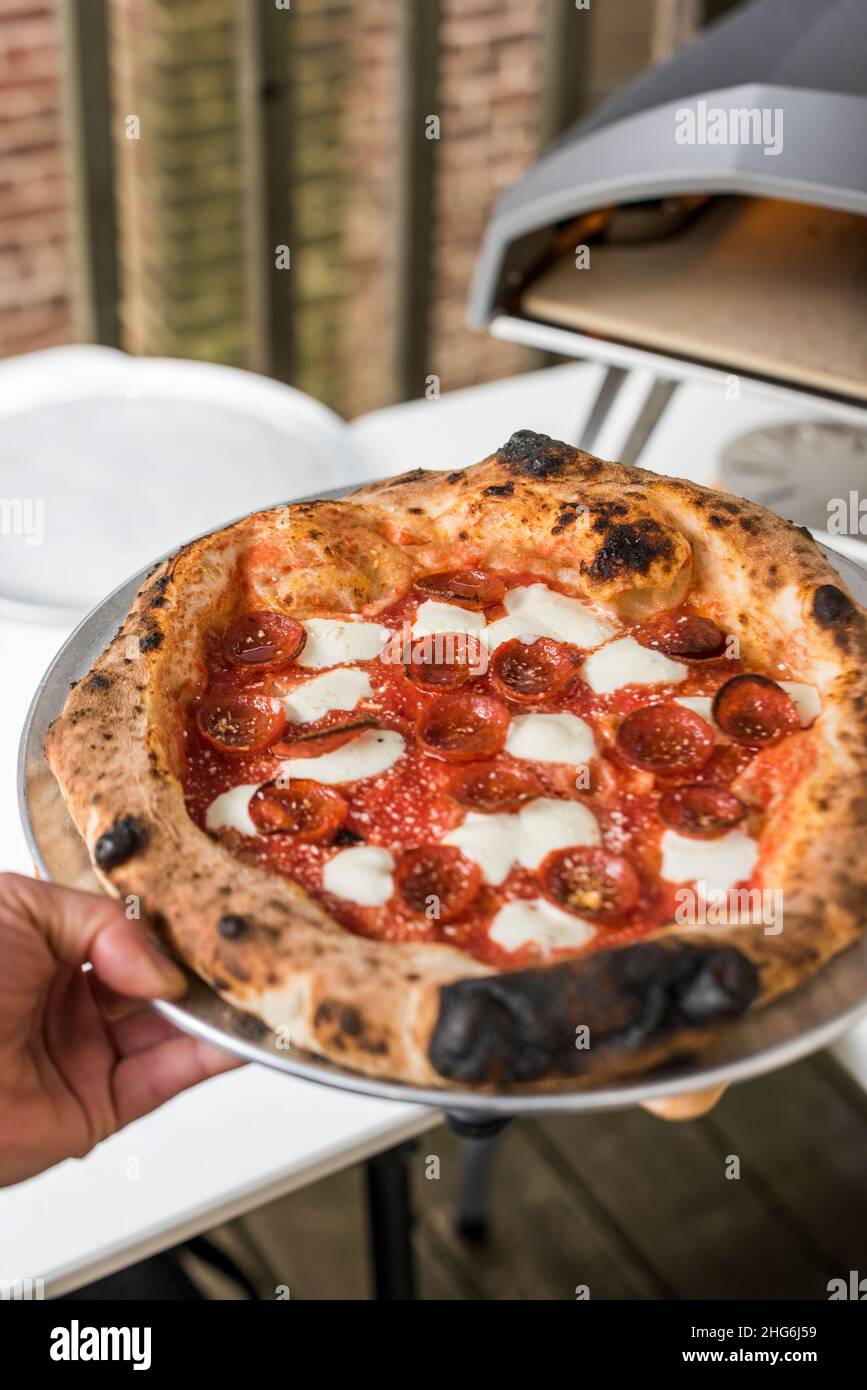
pixel 632 541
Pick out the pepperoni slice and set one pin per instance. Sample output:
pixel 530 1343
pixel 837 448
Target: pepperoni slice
pixel 463 728
pixel 470 588
pixel 490 787
pixel 590 881
pixel 263 640
pixel 309 812
pixel 753 709
pixel 666 739
pixel 312 743
pixel 531 670
pixel 685 635
pixel 437 882
pixel 701 810
pixel 241 723
pixel 445 660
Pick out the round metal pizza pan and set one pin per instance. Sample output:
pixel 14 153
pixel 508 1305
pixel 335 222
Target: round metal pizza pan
pixel 805 1021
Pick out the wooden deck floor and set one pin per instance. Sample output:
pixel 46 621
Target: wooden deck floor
pixel 627 1204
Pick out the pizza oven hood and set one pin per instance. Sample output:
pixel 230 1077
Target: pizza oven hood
pixel 722 202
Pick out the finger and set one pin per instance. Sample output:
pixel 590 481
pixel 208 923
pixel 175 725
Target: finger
pixel 141 1030
pixel 148 1079
pixel 685 1107
pixel 125 957
pixel 112 1006
pixel 82 926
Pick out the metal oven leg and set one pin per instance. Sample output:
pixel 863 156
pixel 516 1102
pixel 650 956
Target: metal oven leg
pixel 479 1135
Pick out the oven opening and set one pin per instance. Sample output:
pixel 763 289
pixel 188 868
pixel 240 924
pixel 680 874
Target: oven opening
pixel 772 288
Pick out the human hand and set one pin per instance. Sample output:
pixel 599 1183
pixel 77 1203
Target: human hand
pixel 81 1055
pixel 686 1107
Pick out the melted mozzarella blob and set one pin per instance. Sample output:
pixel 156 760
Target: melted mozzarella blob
pixel 540 922
pixel 361 874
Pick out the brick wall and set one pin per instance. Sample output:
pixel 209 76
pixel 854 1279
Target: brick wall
pixel 489 105
pixel 320 54
pixel 184 187
pixel 369 249
pixel 35 252
pixel 181 233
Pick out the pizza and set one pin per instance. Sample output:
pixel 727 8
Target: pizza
pixel 536 772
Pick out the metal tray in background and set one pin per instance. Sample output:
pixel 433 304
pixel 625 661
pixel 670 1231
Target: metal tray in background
pixel 810 1018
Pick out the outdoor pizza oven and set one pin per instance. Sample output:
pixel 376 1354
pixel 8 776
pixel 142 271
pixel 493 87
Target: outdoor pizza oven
pixel 710 219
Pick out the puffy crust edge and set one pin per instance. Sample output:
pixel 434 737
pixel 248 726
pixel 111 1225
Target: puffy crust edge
pixel 429 1014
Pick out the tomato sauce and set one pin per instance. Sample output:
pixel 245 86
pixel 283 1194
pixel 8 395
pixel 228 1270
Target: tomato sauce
pixel 410 806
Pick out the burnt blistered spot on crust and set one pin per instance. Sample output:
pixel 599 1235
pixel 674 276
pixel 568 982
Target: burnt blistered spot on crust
pixel 536 455
pixel 719 521
pixel 120 842
pixel 569 514
pixel 156 586
pixel 240 972
pixel 349 1025
pixel 350 1020
pixel 603 513
pixel 454 477
pixel 158 602
pixel 231 926
pixel 151 641
pixel 99 682
pixel 519 1027
pixel 499 490
pixel 629 548
pixel 748 524
pixel 831 605
pixel 412 476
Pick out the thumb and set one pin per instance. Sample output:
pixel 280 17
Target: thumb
pixel 689 1106
pixel 78 927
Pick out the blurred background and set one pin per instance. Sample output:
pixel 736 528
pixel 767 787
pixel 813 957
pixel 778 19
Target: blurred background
pixel 155 153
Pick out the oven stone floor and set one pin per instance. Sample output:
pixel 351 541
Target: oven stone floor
pixel 624 1203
